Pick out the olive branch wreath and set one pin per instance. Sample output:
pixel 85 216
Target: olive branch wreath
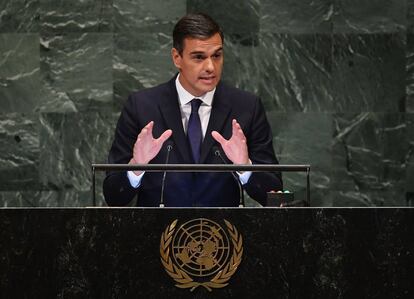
pixel 184 281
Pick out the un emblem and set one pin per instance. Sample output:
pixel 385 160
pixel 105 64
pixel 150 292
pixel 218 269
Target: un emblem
pixel 200 253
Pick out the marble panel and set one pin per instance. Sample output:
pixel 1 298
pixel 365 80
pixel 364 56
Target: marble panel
pixel 141 60
pixel 410 15
pixel 296 16
pixel 369 73
pixel 370 152
pixel 19 155
pixel 409 180
pixel 242 65
pixel 409 106
pixel 239 20
pixel 304 138
pixel 69 144
pixel 61 16
pixel 19 73
pixel 76 70
pixel 296 72
pixel 132 16
pixel 369 16
pixel 48 199
pixel 19 16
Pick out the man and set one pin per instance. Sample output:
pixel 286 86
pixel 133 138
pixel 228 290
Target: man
pixel 197 114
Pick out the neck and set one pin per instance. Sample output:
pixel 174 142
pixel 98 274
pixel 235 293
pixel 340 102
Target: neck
pixel 194 94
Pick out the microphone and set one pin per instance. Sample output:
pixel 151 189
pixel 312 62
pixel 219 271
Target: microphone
pixel 169 149
pixel 217 152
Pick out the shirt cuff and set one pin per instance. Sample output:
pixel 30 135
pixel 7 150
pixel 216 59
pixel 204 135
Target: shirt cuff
pixel 135 180
pixel 244 177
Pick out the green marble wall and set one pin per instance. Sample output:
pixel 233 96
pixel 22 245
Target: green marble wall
pixel 336 77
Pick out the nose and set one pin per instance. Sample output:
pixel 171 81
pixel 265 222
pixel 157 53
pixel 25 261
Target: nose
pixel 209 66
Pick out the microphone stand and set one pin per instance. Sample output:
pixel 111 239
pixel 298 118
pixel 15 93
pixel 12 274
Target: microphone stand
pixel 241 203
pixel 169 148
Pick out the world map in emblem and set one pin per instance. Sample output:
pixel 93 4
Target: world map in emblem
pixel 200 247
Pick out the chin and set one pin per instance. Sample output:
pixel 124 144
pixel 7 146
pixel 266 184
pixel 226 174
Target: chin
pixel 209 87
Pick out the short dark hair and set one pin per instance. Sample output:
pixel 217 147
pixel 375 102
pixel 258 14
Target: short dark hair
pixel 194 25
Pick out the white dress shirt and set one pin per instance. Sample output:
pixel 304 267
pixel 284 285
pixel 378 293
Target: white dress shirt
pixel 184 98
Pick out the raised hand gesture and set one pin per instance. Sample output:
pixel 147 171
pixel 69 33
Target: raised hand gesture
pixel 236 147
pixel 146 147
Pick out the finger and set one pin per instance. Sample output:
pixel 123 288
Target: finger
pixel 217 136
pixel 234 127
pixel 237 130
pixel 164 136
pixel 149 127
pixel 146 131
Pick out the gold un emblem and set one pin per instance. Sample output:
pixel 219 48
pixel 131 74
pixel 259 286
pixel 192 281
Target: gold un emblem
pixel 200 253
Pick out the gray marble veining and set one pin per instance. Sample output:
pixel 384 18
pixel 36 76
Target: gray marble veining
pixel 76 16
pixel 19 155
pixel 296 72
pixel 78 65
pixel 296 16
pixel 335 76
pixel 19 16
pixel 370 158
pixel 19 72
pixel 369 72
pixel 369 16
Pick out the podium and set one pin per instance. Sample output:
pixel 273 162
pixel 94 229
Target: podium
pixel 207 168
pixel 286 252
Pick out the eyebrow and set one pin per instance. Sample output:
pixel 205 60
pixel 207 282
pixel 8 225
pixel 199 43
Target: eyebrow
pixel 201 52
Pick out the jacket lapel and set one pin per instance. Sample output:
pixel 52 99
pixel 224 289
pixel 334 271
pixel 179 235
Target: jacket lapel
pixel 219 114
pixel 170 111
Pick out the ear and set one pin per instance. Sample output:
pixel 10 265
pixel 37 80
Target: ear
pixel 176 57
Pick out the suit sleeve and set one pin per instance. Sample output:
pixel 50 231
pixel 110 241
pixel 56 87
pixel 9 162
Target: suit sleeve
pixel 116 186
pixel 260 146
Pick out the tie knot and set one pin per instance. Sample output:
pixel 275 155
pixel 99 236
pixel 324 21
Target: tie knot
pixel 195 104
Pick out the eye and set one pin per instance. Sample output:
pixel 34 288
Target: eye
pixel 217 55
pixel 198 57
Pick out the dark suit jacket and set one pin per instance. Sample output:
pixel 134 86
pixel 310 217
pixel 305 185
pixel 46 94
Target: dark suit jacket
pixel 161 105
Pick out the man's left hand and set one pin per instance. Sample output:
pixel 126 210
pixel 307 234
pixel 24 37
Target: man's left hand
pixel 236 147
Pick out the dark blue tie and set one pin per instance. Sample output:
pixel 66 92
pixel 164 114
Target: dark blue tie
pixel 194 133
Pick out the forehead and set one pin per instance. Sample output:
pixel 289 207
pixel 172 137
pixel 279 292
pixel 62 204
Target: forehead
pixel 210 44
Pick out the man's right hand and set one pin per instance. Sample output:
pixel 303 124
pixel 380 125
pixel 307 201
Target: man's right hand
pixel 147 147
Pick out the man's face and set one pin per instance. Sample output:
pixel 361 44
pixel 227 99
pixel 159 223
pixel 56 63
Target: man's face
pixel 200 64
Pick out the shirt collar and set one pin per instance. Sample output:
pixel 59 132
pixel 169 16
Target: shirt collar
pixel 185 97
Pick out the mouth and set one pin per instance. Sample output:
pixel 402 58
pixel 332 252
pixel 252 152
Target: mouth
pixel 207 79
